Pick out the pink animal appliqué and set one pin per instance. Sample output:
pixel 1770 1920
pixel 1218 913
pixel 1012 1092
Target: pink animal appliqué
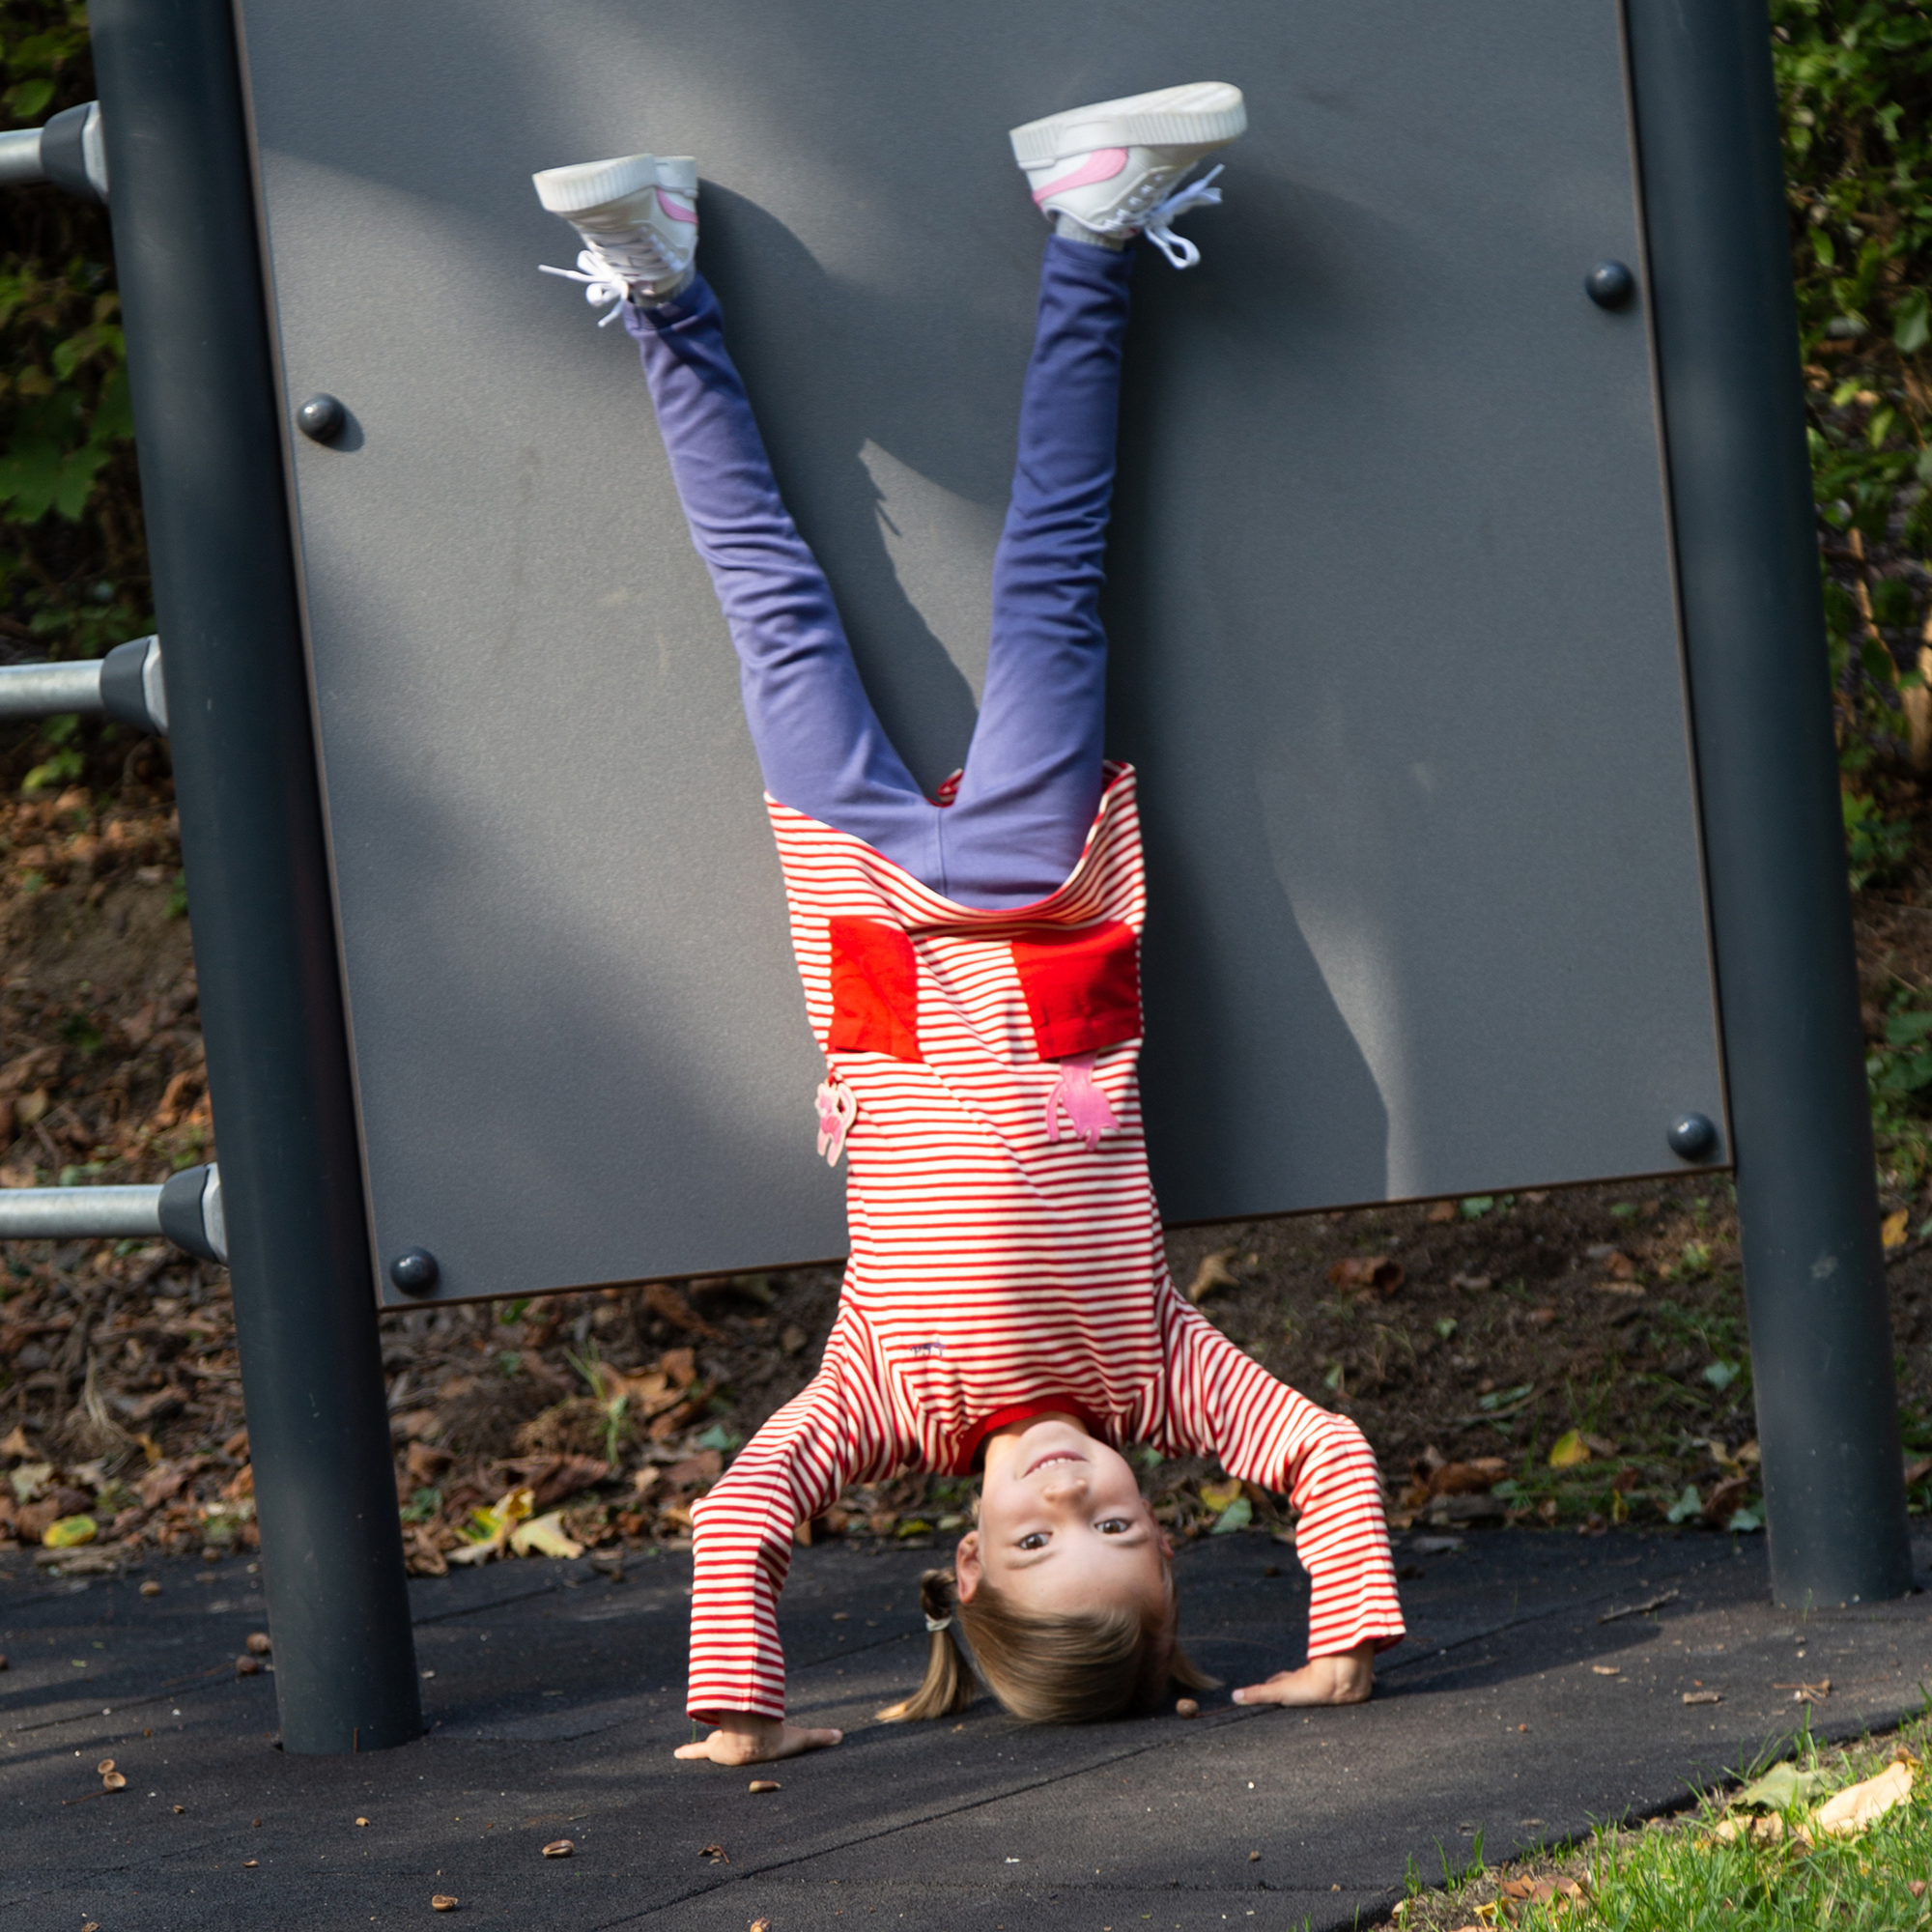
pixel 837 1111
pixel 1086 1106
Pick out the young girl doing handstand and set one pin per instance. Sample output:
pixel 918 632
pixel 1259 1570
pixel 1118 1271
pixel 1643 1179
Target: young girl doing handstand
pixel 971 970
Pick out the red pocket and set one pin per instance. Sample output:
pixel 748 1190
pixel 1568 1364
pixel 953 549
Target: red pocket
pixel 874 989
pixel 1081 987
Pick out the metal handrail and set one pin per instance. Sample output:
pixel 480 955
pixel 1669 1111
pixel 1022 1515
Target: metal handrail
pixel 185 1210
pixel 125 684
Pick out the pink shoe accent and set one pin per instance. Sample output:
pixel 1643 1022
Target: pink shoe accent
pixel 1102 164
pixel 948 788
pixel 1087 1107
pixel 676 210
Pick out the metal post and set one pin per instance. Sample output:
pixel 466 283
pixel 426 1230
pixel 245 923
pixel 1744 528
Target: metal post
pixel 207 425
pixel 1753 622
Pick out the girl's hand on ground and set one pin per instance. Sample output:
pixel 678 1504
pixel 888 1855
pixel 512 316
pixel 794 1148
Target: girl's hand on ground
pixel 742 1738
pixel 1348 1677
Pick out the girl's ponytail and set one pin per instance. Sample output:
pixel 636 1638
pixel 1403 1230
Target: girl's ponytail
pixel 949 1684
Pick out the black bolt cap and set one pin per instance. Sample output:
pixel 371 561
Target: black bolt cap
pixel 414 1271
pixel 321 419
pixel 1695 1137
pixel 1610 284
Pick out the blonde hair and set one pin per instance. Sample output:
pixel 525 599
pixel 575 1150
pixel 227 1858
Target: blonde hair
pixel 1046 1667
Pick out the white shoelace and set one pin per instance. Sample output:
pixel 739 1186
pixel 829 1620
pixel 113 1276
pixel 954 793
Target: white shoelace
pixel 1159 229
pixel 603 281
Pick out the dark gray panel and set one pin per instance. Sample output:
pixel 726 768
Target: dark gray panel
pixel 1390 594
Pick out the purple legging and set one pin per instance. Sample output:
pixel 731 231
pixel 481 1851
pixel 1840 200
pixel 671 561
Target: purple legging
pixel 1032 781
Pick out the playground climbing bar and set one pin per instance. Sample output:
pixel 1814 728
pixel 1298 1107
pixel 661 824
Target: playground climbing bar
pixel 1726 333
pixel 207 423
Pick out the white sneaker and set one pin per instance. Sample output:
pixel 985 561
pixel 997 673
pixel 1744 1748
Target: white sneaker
pixel 1114 168
pixel 638 221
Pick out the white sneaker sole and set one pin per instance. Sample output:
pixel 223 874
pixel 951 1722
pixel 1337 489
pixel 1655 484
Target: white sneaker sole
pixel 588 187
pixel 1202 114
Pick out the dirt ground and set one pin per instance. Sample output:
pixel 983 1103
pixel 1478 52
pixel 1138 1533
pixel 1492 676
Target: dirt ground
pixel 1575 1357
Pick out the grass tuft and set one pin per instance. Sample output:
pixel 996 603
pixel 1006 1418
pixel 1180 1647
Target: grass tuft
pixel 1670 1874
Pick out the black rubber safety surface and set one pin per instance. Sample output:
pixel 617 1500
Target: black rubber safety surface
pixel 1533 1697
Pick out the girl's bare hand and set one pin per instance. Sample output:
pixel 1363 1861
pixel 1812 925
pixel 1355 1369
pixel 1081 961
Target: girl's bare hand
pixel 744 1739
pixel 1348 1677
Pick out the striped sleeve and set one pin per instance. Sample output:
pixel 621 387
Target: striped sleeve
pixel 1218 1402
pixel 836 1430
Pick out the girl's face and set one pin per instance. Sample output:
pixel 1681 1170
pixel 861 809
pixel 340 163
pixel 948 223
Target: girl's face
pixel 1062 1525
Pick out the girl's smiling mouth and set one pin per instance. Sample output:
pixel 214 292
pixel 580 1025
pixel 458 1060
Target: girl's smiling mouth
pixel 1051 1456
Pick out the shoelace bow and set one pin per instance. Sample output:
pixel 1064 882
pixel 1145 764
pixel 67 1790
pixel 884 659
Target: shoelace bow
pixel 604 281
pixel 1157 226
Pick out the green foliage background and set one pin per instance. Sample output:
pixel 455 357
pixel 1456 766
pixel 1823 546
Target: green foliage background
pixel 1855 86
pixel 1855 83
pixel 74 566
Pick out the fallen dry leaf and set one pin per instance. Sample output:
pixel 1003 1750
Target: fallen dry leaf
pixel 1891 1230
pixel 1368 1272
pixel 1475 1283
pixel 1440 1211
pixel 1782 1787
pixel 1765 1830
pixel 443 1902
pixel 1542 1890
pixel 1212 1273
pixel 716 1854
pixel 761 1925
pixel 764 1784
pixel 425 1462
pixel 250 1864
pixel 488 1529
pixel 1703 1696
pixel 1436 1478
pixel 1858 1805
pixel 363 1821
pixel 544 1536
pixel 151 1588
pixel 1606 1671
pixel 1729 1496
pixel 1568 1450
pixel 558 1848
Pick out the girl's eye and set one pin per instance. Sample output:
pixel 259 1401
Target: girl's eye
pixel 1113 1526
pixel 1037 1540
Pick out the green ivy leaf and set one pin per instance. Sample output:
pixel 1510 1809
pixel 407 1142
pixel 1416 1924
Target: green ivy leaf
pixel 27 101
pixel 1237 1515
pixel 1912 322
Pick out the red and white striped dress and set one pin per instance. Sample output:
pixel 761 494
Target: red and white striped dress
pixel 995 1272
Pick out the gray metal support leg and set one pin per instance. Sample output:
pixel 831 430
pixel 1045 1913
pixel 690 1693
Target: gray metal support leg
pixel 206 422
pixel 1740 486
